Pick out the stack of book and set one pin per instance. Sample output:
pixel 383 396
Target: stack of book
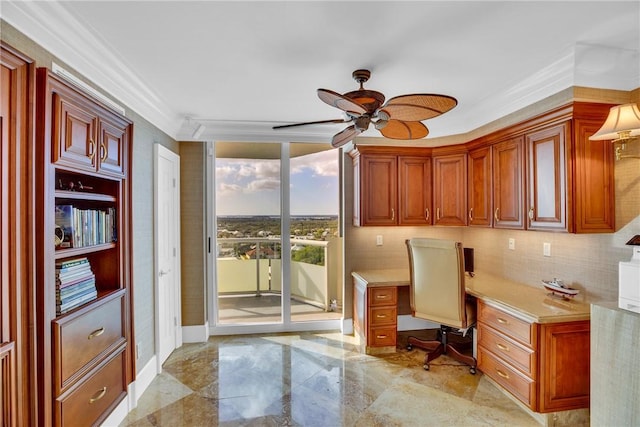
pixel 75 284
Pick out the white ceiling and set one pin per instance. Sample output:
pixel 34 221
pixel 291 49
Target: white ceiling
pixel 241 67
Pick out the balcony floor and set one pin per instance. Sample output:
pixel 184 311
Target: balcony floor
pixel 243 309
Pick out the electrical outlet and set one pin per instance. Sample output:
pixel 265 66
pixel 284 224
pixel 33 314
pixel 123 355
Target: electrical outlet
pixel 512 243
pixel 379 240
pixel 546 249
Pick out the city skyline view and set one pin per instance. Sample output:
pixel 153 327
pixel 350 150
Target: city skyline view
pixel 252 186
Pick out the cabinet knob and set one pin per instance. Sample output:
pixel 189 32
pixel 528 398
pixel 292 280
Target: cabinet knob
pixel 393 214
pixel 502 374
pixel 496 215
pixel 103 152
pixel 92 149
pixel 426 214
pixel 98 395
pixel 95 333
pixel 437 214
pixel 471 214
pixel 531 214
pixel 502 347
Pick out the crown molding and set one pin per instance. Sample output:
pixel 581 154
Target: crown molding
pixel 51 26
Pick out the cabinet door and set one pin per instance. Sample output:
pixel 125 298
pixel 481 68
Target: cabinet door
pixel 564 366
pixel 547 172
pixel 450 189
pixel 480 184
pixel 415 190
pixel 594 192
pixel 74 133
pixel 379 181
pixel 113 139
pixel 508 184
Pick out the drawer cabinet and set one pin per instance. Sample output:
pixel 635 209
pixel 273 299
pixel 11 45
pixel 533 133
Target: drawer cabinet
pixel 376 317
pixel 84 336
pixel 91 401
pixel 545 366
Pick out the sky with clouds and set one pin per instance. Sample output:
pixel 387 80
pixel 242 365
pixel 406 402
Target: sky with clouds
pixel 252 187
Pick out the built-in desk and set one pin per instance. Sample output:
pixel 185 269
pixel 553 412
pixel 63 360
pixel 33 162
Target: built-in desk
pixel 533 345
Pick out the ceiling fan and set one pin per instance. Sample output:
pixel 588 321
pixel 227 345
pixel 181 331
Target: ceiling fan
pixel 400 118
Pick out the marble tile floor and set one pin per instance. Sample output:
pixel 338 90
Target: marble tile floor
pixel 316 379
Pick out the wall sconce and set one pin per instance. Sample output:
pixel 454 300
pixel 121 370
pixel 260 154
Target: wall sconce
pixel 622 126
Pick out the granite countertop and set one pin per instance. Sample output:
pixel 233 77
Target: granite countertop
pixel 531 303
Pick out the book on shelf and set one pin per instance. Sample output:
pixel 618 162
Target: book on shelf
pixel 75 284
pixel 64 220
pixel 85 227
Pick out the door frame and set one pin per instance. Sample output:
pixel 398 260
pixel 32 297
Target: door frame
pixel 158 150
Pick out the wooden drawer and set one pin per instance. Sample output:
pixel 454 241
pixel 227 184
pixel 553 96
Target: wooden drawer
pixel 92 400
pixel 383 296
pixel 80 339
pixel 382 337
pixel 383 316
pixel 509 325
pixel 511 351
pixel 521 386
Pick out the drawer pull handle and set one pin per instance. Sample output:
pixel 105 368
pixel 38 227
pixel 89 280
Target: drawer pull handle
pixel 96 333
pixel 382 296
pixel 381 336
pixel 503 321
pixel 502 374
pixel 98 395
pixel 381 316
pixel 502 347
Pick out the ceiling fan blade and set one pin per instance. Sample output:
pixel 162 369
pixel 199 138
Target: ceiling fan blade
pixel 398 129
pixel 417 107
pixel 312 123
pixel 342 102
pixel 342 137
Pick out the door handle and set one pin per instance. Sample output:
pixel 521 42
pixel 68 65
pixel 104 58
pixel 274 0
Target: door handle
pixel 163 272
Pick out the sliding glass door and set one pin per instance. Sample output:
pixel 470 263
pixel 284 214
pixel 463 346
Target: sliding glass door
pixel 278 249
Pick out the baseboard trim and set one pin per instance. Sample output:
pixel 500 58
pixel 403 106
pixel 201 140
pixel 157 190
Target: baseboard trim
pixel 197 333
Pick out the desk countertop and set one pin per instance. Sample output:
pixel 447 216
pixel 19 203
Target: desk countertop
pixel 528 302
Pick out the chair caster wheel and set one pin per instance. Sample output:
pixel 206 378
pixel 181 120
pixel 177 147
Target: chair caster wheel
pixel 409 347
pixel 472 371
pixel 425 366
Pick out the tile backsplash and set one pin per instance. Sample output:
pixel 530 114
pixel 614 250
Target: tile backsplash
pixel 588 262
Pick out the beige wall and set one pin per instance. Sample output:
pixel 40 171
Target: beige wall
pixel 193 232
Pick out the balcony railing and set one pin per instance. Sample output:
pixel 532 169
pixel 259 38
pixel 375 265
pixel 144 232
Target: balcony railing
pixel 254 265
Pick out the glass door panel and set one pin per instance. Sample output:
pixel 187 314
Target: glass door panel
pixel 316 288
pixel 249 241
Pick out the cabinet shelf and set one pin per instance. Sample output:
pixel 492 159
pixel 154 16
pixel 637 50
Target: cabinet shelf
pixel 66 253
pixel 81 195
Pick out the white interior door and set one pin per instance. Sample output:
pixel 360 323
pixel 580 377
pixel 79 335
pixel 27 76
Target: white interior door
pixel 167 252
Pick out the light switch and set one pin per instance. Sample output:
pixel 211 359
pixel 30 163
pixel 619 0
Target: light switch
pixel 546 249
pixel 379 240
pixel 512 243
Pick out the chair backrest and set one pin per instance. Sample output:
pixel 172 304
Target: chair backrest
pixel 437 281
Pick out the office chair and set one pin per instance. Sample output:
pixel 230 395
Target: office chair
pixel 438 295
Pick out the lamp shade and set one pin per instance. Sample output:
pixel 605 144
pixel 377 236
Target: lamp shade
pixel 622 118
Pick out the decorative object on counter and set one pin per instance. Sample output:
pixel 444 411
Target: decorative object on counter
pixel 558 288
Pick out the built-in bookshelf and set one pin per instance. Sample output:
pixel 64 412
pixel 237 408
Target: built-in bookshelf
pixel 84 254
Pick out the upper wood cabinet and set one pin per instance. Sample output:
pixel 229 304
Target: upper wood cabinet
pixel 547 178
pixel 450 189
pixel 414 190
pixel 479 187
pixel 541 174
pixel 508 183
pixel 594 187
pixel 392 186
pixel 87 138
